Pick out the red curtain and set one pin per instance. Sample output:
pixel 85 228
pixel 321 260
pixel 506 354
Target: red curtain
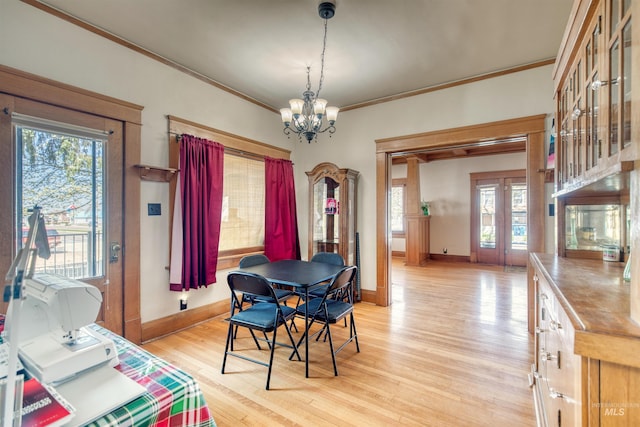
pixel 281 222
pixel 201 176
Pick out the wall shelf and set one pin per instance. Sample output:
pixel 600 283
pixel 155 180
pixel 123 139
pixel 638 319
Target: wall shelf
pixel 156 173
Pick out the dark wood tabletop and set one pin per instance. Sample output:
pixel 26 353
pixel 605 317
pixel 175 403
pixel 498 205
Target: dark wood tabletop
pixel 296 273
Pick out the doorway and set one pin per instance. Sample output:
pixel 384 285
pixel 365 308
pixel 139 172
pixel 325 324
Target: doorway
pixel 499 218
pixel 70 169
pixel 106 134
pixel 531 128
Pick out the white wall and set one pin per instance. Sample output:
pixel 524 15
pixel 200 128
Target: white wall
pixel 445 184
pixel 38 43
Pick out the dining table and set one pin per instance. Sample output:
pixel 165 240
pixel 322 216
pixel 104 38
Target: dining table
pixel 302 276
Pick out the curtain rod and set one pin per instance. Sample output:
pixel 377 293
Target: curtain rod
pixel 229 150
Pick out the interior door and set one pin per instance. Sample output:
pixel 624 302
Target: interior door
pixel 499 218
pixel 70 165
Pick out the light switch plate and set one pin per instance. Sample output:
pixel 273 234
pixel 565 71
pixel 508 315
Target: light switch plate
pixel 153 209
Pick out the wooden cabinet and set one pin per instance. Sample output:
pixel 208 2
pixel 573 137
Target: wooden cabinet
pixel 586 370
pixel 333 211
pixel 594 93
pixel 598 141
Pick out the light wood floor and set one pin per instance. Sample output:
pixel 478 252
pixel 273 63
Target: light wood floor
pixel 452 350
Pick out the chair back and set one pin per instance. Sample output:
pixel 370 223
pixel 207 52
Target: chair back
pixel 250 284
pixel 251 260
pixel 328 258
pixel 342 281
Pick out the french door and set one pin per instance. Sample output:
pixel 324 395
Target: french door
pixel 499 218
pixel 70 165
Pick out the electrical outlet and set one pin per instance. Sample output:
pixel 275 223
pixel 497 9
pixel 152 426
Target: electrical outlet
pixel 444 250
pixel 183 304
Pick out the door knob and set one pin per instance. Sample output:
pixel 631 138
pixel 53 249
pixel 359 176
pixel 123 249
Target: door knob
pixel 114 251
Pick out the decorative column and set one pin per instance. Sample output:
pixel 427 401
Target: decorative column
pixel 417 233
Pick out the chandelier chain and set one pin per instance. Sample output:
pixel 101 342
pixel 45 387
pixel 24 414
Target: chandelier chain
pixel 324 47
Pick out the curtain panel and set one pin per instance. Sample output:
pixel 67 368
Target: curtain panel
pixel 281 239
pixel 197 214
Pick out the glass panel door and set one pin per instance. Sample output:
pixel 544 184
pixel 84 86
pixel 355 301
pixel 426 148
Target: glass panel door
pixel 63 174
pixel 487 196
pixel 516 227
pixel 326 211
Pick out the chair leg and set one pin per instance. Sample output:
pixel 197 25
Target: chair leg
pixel 226 347
pixel 293 343
pixel 273 347
pixel 353 333
pixel 333 354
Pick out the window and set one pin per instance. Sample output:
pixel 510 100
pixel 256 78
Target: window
pixel 398 207
pixel 60 169
pixel 243 199
pixel 242 225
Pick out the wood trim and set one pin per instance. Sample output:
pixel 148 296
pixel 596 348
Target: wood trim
pixel 31 86
pixel 383 234
pixel 467 134
pixel 182 320
pixel 536 212
pixel 178 126
pixel 450 84
pixel 138 49
pixel 132 300
pixel 450 258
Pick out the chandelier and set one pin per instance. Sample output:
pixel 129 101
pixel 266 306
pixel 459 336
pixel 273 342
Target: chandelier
pixel 305 116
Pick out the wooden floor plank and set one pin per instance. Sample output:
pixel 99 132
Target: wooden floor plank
pixel 451 350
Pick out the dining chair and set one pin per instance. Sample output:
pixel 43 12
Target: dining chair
pixel 328 311
pixel 257 259
pixel 282 295
pixel 266 315
pixel 327 258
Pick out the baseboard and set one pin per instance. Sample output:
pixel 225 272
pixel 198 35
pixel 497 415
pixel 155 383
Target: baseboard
pixel 399 254
pixel 368 296
pixel 182 320
pixel 449 258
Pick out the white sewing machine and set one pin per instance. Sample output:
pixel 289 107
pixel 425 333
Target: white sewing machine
pixel 54 343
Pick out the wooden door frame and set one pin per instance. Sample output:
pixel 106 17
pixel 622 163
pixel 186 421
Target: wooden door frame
pixel 16 83
pixel 531 127
pixel 500 177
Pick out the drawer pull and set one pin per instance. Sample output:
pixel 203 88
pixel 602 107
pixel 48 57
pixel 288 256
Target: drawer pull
pixel 554 326
pixel 555 394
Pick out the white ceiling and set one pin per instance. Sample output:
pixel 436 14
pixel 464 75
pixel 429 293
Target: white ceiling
pixel 375 48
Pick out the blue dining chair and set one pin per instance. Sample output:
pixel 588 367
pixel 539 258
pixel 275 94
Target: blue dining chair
pixel 257 259
pixel 328 311
pixel 266 315
pixel 327 258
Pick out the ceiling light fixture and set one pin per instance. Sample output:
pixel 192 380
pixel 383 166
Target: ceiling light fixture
pixel 306 115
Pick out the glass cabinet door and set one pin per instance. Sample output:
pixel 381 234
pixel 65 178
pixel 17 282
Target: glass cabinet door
pixel 326 216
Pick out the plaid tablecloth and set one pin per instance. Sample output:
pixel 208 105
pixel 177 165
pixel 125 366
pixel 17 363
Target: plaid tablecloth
pixel 173 397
